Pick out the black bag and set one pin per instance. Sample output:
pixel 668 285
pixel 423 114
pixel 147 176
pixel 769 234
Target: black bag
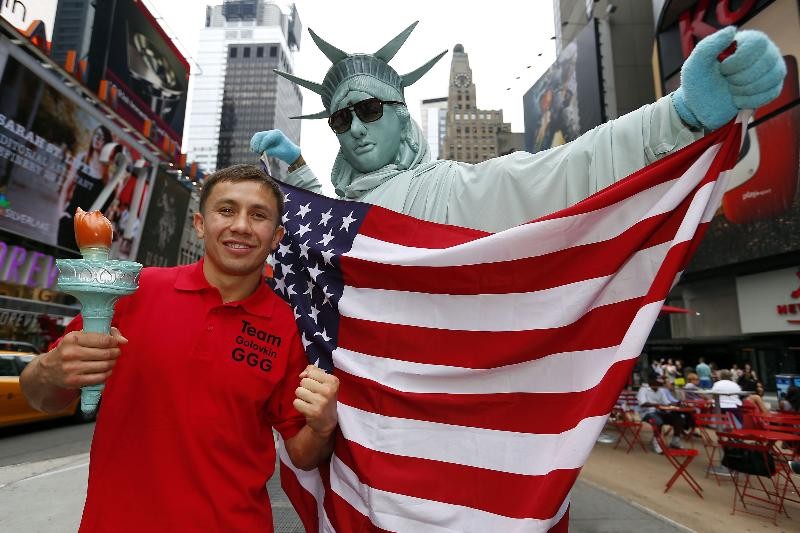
pixel 748 462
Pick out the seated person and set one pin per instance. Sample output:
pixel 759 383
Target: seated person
pixel 791 400
pixel 730 403
pixel 692 385
pixel 650 398
pixel 669 391
pixel 757 400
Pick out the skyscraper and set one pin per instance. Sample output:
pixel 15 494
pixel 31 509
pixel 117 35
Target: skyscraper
pixel 434 124
pixel 236 93
pixel 472 133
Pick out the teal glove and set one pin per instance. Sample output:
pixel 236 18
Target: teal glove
pixel 275 144
pixel 712 92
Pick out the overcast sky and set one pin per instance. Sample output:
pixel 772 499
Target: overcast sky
pixel 502 37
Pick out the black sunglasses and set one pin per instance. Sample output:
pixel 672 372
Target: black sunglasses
pixel 368 110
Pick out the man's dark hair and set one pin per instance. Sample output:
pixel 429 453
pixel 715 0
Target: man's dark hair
pixel 237 174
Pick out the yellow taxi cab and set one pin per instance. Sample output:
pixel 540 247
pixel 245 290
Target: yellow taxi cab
pixel 14 408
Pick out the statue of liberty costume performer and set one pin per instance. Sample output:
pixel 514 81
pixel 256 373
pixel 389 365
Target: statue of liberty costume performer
pixel 386 161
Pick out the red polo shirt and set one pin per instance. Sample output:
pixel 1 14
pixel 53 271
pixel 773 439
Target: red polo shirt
pixel 183 440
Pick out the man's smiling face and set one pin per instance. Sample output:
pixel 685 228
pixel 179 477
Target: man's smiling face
pixel 240 226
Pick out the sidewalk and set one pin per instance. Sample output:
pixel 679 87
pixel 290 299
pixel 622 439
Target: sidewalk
pixel 640 478
pixel 48 496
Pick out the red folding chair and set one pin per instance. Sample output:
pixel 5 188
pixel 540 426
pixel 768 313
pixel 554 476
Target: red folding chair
pixel 783 424
pixel 708 424
pixel 701 406
pixel 625 419
pixel 680 459
pixel 755 473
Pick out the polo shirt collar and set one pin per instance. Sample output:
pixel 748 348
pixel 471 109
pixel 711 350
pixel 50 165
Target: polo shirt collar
pixel 192 278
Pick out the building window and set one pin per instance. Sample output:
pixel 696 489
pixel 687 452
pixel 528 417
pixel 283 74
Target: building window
pixel 273 51
pixel 233 52
pixel 260 51
pixel 246 52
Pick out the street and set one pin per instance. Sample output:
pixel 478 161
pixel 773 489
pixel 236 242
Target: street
pixel 43 469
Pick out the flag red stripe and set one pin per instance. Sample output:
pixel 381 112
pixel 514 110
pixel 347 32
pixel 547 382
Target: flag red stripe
pixel 303 501
pixel 599 328
pixel 539 497
pixel 346 517
pixel 563 525
pixel 390 226
pixel 520 275
pixel 554 413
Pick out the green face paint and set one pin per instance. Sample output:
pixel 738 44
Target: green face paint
pixel 373 145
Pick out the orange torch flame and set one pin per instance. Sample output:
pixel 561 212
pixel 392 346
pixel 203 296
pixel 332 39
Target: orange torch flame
pixel 92 229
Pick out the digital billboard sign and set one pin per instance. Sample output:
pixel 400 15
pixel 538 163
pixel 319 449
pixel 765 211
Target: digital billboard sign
pixel 760 213
pixel 55 156
pixel 566 100
pixel 161 236
pixel 131 50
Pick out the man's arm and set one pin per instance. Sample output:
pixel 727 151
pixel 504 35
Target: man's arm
pixel 316 400
pixel 53 379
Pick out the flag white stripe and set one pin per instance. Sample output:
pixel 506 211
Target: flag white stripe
pixel 398 512
pixel 557 373
pixel 470 446
pixel 546 236
pixel 548 308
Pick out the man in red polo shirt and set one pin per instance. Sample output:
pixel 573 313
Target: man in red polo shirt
pixel 211 360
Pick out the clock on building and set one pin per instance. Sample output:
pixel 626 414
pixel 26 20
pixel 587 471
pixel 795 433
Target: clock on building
pixel 461 81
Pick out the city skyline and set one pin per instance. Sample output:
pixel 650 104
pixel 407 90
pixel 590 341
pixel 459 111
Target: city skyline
pixel 517 32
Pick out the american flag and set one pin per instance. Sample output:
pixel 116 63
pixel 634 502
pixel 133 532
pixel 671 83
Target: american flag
pixel 477 369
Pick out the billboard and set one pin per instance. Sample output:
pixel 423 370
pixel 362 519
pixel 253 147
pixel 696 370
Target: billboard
pixel 22 13
pixel 760 213
pixel 163 228
pixel 56 156
pixel 566 100
pixel 151 77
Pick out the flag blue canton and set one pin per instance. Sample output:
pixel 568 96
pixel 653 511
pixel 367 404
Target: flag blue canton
pixel 318 230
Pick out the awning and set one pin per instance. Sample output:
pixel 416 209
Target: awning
pixel 665 309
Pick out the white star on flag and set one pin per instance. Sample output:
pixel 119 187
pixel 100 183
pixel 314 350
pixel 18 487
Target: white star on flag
pixel 304 209
pixel 326 217
pixel 280 284
pixel 323 334
pixel 284 249
pixel 304 249
pixel 346 221
pixel 304 228
pixel 328 237
pixel 328 256
pixel 314 271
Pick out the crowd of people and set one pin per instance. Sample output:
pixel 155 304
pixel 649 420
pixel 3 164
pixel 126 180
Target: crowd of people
pixel 670 383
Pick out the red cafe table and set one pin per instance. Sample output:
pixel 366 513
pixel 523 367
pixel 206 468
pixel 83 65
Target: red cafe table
pixel 773 437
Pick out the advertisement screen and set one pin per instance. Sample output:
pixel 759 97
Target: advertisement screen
pixel 565 102
pixel 131 50
pixel 760 213
pixel 21 13
pixel 161 237
pixel 56 156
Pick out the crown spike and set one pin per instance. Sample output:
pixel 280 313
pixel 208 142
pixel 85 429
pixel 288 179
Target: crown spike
pixel 331 52
pixel 412 77
pixel 310 85
pixel 387 52
pixel 321 114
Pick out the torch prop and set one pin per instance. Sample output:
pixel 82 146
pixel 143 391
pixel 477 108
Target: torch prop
pixel 97 282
